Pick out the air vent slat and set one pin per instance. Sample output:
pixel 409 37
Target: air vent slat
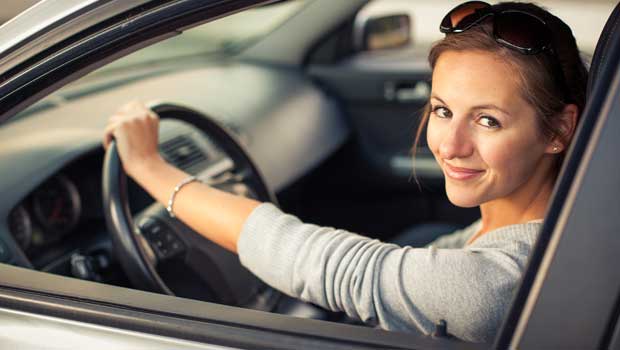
pixel 190 161
pixel 182 152
pixel 171 144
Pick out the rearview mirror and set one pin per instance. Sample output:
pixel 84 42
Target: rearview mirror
pixel 382 32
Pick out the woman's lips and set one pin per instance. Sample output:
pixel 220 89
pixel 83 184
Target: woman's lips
pixel 457 173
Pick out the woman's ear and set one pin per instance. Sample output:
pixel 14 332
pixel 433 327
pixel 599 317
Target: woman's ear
pixel 565 124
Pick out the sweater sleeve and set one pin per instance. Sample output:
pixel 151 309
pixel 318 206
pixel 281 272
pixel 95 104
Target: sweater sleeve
pixel 402 289
pixel 457 239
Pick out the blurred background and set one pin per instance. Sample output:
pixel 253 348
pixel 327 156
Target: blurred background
pixel 586 18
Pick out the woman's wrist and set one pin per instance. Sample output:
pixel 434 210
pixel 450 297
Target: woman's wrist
pixel 146 166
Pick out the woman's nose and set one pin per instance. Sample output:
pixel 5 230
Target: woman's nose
pixel 456 142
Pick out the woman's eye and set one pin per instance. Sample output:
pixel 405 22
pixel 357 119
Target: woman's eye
pixel 442 112
pixel 489 122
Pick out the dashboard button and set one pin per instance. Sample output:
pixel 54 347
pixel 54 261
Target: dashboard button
pixel 164 242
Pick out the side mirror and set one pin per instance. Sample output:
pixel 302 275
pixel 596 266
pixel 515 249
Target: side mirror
pixel 382 32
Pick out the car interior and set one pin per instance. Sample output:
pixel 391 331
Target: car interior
pixel 328 140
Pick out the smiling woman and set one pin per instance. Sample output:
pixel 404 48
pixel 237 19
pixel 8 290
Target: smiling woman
pixel 500 147
pixel 294 97
pixel 495 158
pixel 487 132
pixel 500 141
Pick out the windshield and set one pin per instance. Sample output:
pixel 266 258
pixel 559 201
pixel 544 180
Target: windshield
pixel 222 37
pixel 227 35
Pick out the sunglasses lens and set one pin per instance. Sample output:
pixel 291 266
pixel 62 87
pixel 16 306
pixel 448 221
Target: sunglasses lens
pixel 463 15
pixel 522 31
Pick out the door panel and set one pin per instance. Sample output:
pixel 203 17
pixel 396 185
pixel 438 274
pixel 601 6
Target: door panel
pixel 383 94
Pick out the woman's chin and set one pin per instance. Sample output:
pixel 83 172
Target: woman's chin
pixel 462 198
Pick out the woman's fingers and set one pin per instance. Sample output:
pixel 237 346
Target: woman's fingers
pixel 134 112
pixel 108 134
pixel 135 128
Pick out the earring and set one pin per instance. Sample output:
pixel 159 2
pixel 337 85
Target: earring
pixel 556 149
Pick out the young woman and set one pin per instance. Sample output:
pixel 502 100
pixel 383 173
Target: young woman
pixel 507 88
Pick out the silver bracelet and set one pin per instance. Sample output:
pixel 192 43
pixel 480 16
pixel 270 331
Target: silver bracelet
pixel 177 188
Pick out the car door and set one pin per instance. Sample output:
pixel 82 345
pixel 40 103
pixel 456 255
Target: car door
pixel 39 310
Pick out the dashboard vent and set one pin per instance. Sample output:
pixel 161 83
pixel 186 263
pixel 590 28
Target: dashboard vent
pixel 182 152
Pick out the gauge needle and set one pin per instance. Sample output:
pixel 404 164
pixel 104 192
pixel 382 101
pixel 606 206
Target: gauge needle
pixel 57 209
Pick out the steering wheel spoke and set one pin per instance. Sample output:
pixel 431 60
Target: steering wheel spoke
pixel 161 238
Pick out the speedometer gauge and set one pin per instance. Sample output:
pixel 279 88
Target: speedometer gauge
pixel 20 226
pixel 57 206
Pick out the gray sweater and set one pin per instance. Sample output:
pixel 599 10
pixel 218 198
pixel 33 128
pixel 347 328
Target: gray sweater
pixel 396 288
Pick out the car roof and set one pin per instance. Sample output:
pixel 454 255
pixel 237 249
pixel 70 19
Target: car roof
pixel 50 21
pixel 37 18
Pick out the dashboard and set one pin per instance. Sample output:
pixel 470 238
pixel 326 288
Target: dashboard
pixel 63 216
pixel 51 159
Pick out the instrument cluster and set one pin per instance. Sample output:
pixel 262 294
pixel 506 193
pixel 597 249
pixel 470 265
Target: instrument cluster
pixel 50 212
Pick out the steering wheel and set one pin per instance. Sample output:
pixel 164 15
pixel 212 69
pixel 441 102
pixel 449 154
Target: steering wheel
pixel 163 248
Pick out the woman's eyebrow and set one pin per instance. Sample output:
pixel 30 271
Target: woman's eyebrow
pixel 491 106
pixel 437 98
pixel 484 106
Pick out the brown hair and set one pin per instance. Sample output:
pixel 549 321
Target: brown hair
pixel 540 84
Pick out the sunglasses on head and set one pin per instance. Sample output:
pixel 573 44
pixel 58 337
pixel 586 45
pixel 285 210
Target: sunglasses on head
pixel 518 30
pixel 513 28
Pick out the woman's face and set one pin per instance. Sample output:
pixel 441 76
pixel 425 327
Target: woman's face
pixel 482 133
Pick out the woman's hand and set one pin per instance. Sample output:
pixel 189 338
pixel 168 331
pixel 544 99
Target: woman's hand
pixel 215 214
pixel 135 129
